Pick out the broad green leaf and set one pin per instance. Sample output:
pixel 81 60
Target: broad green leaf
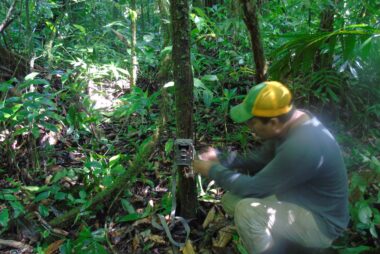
pixel 80 28
pixel 365 214
pixel 93 164
pixel 114 160
pixel 128 207
pixel 132 217
pixel 51 26
pixel 18 208
pixel 59 175
pixel 36 132
pixel 355 250
pixel 7 196
pixel 82 194
pixel 148 37
pixel 42 196
pixel 210 78
pixel 4 217
pixel 373 231
pixel 117 170
pixel 169 146
pixel 207 98
pixel 43 210
pixel 60 195
pixel 5 87
pixel 49 126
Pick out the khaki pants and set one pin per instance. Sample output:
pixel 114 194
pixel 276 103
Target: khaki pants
pixel 258 219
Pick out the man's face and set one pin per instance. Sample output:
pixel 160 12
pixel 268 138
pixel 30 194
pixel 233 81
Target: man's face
pixel 265 131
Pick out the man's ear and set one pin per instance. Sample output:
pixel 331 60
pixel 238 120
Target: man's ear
pixel 276 125
pixel 274 122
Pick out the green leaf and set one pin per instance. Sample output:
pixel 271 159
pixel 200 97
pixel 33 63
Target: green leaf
pixel 114 160
pixel 36 132
pixel 117 170
pixel 93 164
pixel 355 250
pixel 59 175
pixel 169 146
pixel 373 231
pixel 60 195
pixel 18 208
pixel 127 206
pixel 43 210
pixel 42 196
pixel 207 98
pixel 210 78
pixel 132 217
pixel 80 28
pixel 49 126
pixel 5 87
pixel 8 197
pixel 82 194
pixel 4 217
pixel 365 214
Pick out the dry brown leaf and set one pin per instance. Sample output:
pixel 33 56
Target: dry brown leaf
pixel 135 243
pixel 209 218
pixel 188 248
pixel 157 239
pixel 224 237
pixel 53 247
pixel 142 221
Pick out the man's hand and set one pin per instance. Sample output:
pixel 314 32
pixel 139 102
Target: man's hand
pixel 203 167
pixel 210 155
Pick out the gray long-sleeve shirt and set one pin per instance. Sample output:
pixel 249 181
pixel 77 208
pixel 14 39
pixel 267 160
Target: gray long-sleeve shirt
pixel 305 167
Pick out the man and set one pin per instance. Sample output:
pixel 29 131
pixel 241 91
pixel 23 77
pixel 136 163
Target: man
pixel 294 188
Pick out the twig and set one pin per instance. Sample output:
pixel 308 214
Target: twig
pixel 8 19
pixel 17 245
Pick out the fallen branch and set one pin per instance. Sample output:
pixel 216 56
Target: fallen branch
pixel 17 245
pixel 120 184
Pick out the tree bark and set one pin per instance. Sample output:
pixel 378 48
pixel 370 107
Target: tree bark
pixel 252 22
pixel 165 26
pixel 183 80
pixel 324 60
pixel 133 15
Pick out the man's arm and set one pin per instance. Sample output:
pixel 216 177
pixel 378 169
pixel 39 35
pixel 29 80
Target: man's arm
pixel 250 163
pixel 294 163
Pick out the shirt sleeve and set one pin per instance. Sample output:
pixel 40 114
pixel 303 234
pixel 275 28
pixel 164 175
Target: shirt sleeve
pixel 295 162
pixel 250 163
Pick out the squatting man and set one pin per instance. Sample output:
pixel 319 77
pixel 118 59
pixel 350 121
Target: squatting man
pixel 294 187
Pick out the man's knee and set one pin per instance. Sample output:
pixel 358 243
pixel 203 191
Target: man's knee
pixel 248 211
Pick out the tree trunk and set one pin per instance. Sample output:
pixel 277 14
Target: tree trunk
pixel 133 16
pixel 183 80
pixel 252 22
pixel 165 26
pixel 324 60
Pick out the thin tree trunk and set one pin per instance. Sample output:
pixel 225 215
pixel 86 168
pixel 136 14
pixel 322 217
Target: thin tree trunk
pixel 165 26
pixel 133 16
pixel 183 79
pixel 324 60
pixel 252 22
pixel 165 60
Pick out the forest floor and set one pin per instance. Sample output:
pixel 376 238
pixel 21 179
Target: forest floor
pixel 128 222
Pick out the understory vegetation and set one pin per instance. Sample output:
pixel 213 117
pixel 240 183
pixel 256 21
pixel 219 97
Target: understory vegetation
pixel 88 125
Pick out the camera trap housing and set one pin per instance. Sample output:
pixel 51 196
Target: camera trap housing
pixel 183 152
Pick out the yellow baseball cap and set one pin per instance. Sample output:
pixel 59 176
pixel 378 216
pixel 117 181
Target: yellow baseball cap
pixel 267 99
